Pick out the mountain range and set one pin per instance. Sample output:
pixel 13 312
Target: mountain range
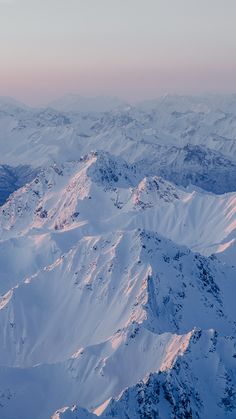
pixel 117 251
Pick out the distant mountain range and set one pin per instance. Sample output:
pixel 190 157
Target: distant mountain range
pixel 76 103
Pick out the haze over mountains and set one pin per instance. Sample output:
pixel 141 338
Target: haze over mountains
pixel 117 250
pixel 76 103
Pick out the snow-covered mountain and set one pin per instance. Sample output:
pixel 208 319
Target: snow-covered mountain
pixel 63 197
pixel 117 252
pixel 41 135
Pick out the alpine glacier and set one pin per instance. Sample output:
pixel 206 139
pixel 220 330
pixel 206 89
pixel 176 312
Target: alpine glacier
pixel 117 250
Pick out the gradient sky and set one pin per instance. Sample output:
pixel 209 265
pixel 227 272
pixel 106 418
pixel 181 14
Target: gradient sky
pixel 135 49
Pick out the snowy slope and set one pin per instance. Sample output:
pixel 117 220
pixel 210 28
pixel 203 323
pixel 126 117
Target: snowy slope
pixel 138 307
pixel 102 367
pixel 201 384
pixel 106 285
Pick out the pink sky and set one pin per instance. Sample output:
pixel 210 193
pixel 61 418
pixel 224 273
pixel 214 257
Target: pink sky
pixel 135 49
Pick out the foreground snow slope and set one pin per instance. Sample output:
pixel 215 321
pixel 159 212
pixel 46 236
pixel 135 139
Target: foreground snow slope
pixel 201 384
pixel 91 376
pixel 111 311
pixel 107 282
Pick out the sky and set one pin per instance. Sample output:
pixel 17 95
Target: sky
pixel 134 49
